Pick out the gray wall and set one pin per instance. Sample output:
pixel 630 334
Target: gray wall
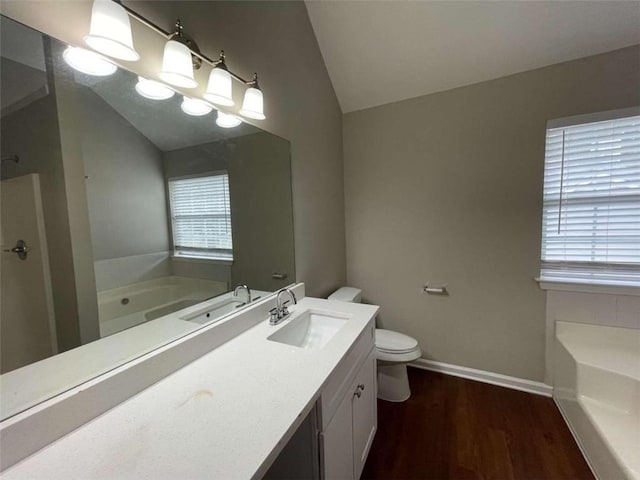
pixel 260 188
pixel 125 183
pixel 276 40
pixel 74 183
pixel 261 208
pixel 447 188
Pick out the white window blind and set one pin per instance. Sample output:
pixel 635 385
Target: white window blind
pixel 591 213
pixel 201 216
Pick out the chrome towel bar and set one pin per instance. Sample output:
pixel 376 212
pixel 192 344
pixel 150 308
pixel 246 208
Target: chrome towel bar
pixel 436 290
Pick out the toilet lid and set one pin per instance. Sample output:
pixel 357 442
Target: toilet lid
pixel 390 341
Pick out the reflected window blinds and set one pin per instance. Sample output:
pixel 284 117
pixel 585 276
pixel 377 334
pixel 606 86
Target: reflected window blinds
pixel 201 216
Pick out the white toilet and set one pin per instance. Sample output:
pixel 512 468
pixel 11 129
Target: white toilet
pixel 393 351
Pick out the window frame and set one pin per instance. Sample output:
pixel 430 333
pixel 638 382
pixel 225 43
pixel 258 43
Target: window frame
pixel 214 255
pixel 557 281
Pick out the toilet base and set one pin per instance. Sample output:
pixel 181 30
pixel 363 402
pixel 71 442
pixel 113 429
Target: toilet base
pixel 393 382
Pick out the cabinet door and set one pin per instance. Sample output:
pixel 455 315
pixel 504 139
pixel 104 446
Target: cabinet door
pixel 337 448
pixel 364 411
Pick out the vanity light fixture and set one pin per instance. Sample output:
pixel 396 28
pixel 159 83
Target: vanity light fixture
pixel 153 90
pixel 110 31
pixel 225 120
pixel 219 88
pixel 110 34
pixel 195 107
pixel 88 62
pixel 252 106
pixel 178 62
pixel 176 65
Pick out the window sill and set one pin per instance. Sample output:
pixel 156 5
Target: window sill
pixel 588 287
pixel 202 259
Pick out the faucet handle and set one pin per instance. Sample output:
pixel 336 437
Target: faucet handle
pixel 274 315
pixel 285 309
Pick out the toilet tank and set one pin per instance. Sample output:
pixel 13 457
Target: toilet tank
pixel 347 294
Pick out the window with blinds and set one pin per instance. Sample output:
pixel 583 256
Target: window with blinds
pixel 201 216
pixel 591 212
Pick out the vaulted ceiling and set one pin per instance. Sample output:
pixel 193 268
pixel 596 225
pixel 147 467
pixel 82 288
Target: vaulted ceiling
pixel 379 52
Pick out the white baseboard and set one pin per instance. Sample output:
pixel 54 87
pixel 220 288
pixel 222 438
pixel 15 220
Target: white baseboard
pixel 515 383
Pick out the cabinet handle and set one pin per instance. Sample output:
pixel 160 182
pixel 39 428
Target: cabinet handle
pixel 361 386
pixel 357 393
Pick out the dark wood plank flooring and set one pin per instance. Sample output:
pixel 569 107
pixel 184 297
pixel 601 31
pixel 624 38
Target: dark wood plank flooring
pixel 452 428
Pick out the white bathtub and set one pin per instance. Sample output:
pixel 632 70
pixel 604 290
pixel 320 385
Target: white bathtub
pixel 597 387
pixel 124 307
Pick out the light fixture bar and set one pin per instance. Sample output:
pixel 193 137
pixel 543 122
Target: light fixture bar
pixel 168 36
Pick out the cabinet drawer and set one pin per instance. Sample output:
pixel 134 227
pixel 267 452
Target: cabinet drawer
pixel 341 378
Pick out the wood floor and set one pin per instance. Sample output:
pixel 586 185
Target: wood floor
pixel 452 428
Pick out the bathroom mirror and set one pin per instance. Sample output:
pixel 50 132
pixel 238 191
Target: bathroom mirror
pixel 121 216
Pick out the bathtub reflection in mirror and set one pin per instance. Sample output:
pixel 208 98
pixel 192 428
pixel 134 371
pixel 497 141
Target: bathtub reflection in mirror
pixel 133 212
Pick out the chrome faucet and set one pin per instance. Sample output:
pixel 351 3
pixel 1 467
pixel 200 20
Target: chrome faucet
pixel 242 287
pixel 280 312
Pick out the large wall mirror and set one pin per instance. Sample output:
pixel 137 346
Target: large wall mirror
pixel 126 223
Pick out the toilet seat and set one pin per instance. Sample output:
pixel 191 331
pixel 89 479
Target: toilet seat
pixel 394 357
pixel 394 342
pixel 382 350
pixel 396 347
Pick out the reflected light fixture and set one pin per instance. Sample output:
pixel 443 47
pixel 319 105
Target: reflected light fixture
pixel 252 106
pixel 219 88
pixel 225 120
pixel 178 62
pixel 110 31
pixel 153 90
pixel 88 62
pixel 195 107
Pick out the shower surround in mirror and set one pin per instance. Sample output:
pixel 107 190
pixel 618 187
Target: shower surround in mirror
pixel 90 195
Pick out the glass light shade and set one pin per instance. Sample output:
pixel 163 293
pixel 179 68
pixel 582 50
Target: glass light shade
pixel 88 62
pixel 153 90
pixel 225 120
pixel 110 31
pixel 219 88
pixel 252 105
pixel 177 68
pixel 193 106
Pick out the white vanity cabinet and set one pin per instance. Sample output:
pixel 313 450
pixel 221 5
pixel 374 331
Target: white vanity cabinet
pixel 365 413
pixel 348 412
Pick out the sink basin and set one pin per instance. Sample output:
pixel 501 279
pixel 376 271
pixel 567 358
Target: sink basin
pixel 311 329
pixel 217 310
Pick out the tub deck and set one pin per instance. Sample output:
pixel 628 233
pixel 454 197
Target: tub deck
pixel 597 387
pixel 125 307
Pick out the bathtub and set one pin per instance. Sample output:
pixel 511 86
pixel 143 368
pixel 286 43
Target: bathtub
pixel 597 388
pixel 128 306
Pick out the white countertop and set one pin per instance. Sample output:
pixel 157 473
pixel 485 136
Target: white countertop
pixel 226 415
pixel 34 383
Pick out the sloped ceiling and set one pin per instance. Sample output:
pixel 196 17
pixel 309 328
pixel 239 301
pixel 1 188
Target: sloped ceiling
pixel 162 122
pixel 379 52
pixel 23 73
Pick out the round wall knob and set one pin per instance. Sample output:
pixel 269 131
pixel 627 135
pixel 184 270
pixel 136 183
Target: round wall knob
pixel 20 249
pixel 361 386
